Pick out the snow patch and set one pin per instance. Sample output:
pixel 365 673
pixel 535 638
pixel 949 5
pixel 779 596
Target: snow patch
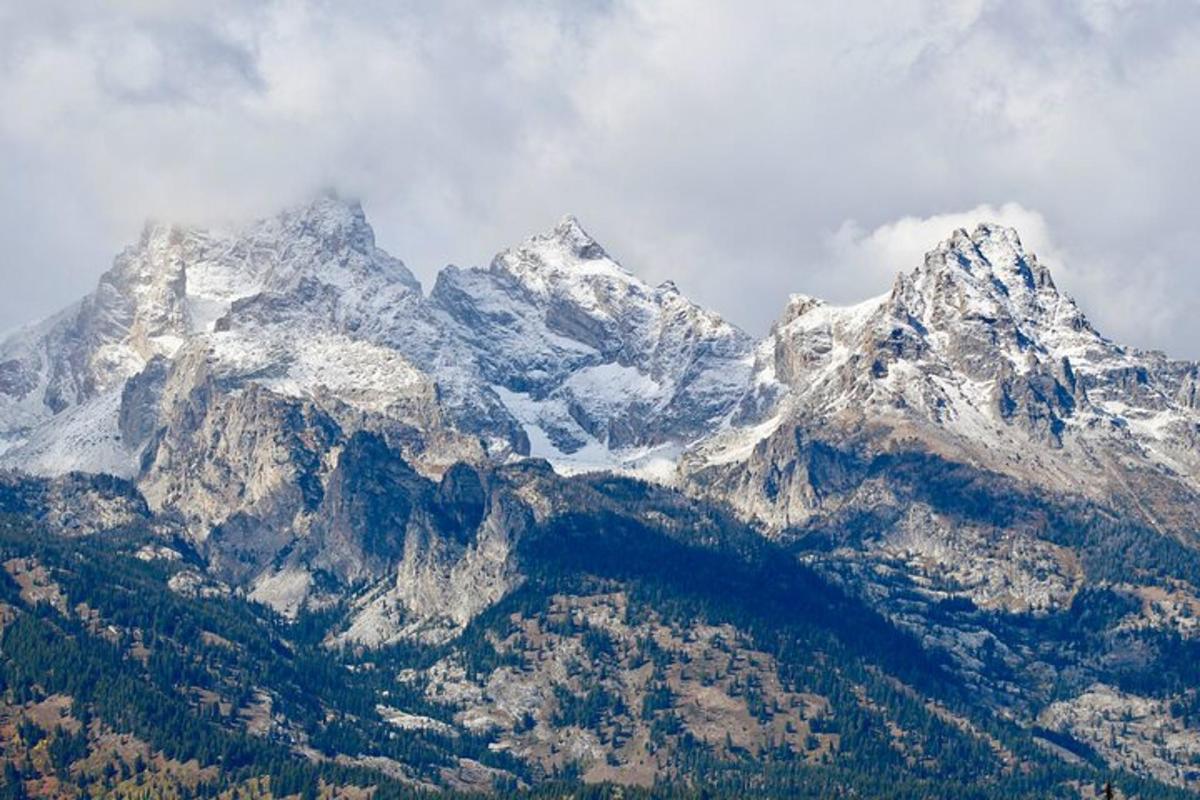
pixel 83 438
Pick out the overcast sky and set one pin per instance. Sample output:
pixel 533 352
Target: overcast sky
pixel 746 150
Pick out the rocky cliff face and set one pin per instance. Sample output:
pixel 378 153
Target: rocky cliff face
pixel 171 288
pixel 597 366
pixel 965 454
pixel 225 372
pixel 975 356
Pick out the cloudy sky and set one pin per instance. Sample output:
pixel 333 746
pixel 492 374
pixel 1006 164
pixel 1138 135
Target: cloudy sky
pixel 745 150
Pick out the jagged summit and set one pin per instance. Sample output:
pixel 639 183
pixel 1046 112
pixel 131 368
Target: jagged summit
pixel 986 276
pixel 326 242
pixel 797 306
pixel 980 283
pixel 556 350
pixel 587 357
pixel 172 288
pixel 978 310
pixel 974 352
pixel 982 308
pixel 570 232
pixel 312 432
pixel 328 212
pixel 327 216
pixel 566 254
pixel 320 239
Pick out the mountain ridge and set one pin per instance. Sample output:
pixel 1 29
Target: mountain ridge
pixel 293 416
pixel 557 351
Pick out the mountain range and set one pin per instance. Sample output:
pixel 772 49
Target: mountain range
pixel 550 523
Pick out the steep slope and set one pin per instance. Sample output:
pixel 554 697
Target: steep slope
pixel 600 369
pixel 228 373
pixel 65 377
pixel 949 525
pixel 652 642
pixel 975 356
pixel 972 457
pixel 554 344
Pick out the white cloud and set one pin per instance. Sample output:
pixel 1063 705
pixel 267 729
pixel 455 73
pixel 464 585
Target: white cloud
pixel 872 258
pixel 718 144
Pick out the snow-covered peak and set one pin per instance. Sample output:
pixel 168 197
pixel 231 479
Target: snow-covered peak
pixel 987 277
pixel 979 307
pixel 177 282
pixel 159 237
pixel 594 363
pixel 570 233
pixel 567 267
pixel 327 240
pixel 334 221
pixel 565 256
pixel 797 306
pixel 329 216
pixel 974 356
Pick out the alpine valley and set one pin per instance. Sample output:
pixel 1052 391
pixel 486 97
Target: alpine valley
pixel 278 522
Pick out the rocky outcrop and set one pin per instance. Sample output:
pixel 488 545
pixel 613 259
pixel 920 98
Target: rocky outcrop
pixel 586 356
pixel 965 454
pixel 452 553
pixel 141 398
pixel 243 470
pixel 74 504
pixel 371 498
pixel 975 356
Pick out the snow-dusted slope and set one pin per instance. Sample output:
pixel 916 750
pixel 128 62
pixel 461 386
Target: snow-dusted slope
pixel 556 351
pixel 978 357
pixel 226 370
pixel 311 268
pixel 600 369
pixel 965 454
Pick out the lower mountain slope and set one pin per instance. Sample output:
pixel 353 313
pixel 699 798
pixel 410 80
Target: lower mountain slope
pixel 646 640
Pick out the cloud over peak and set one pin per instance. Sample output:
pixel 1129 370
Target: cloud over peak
pixel 745 153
